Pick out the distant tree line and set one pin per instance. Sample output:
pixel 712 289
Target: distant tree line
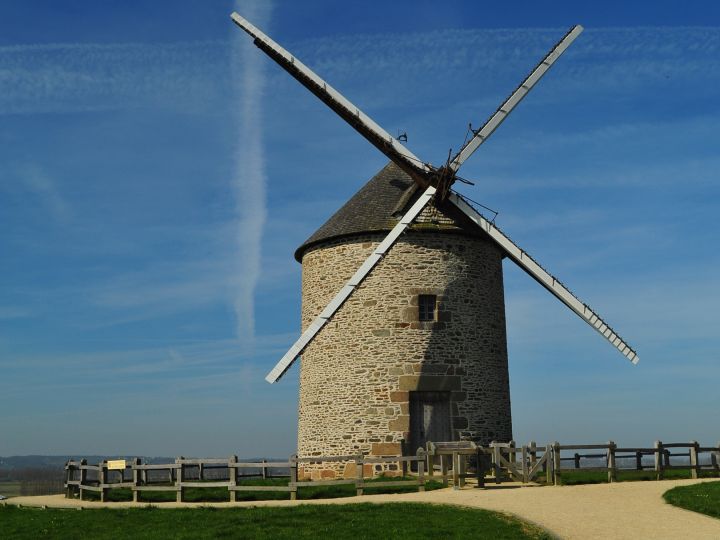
pixel 35 480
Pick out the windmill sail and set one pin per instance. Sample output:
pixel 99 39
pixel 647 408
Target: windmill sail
pixel 547 280
pixel 361 122
pixel 516 97
pixel 421 173
pixel 378 253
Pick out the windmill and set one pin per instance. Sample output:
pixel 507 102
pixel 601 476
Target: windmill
pixel 393 356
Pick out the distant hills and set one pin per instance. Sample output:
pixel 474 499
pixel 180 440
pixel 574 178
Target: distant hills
pixel 12 463
pixel 55 462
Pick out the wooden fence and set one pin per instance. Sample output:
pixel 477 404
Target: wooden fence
pixel 662 454
pixel 192 473
pixel 522 463
pixel 507 462
pixel 501 461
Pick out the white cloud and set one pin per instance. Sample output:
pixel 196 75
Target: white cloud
pixel 70 77
pixel 250 176
pixel 36 180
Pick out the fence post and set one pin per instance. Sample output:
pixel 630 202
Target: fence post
pixel 232 477
pixel 293 477
pixel 556 463
pixel 496 462
pixel 136 479
pixel 179 477
pixel 548 464
pixel 101 480
pixel 512 458
pixel 83 476
pixel 421 469
pixel 462 469
pixel 444 469
pixel 638 461
pixel 612 470
pixel 658 460
pixel 430 460
pixel 359 475
pixel 68 478
pixel 694 463
pixel 525 472
pixel 456 469
pixel 481 467
pixel 715 459
pixel 532 450
pixel 577 460
pixel 264 469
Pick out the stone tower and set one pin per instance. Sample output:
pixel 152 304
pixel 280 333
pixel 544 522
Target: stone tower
pixel 419 351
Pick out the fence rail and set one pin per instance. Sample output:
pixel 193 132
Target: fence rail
pixel 457 462
pixel 133 474
pixel 507 462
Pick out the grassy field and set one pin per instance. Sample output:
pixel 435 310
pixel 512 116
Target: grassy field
pixel 356 521
pixel 571 478
pixel 10 489
pixel 703 498
pixel 222 495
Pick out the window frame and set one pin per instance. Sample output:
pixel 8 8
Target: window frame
pixel 427 307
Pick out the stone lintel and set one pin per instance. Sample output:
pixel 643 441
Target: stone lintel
pixel 434 383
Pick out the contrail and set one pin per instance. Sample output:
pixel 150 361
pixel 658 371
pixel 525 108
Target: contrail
pixel 249 177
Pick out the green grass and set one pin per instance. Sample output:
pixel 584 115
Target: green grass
pixel 572 478
pixel 10 489
pixel 703 498
pixel 353 521
pixel 222 494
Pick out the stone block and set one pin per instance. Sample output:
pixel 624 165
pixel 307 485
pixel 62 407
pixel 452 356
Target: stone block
pixel 401 423
pixel 350 470
pixel 399 397
pixel 386 449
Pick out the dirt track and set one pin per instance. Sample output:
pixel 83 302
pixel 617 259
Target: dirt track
pixel 624 510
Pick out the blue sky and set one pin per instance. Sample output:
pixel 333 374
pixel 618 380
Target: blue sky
pixel 158 171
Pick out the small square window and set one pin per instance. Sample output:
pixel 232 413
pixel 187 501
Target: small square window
pixel 427 307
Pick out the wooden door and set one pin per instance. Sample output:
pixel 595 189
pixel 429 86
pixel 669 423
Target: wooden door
pixel 429 419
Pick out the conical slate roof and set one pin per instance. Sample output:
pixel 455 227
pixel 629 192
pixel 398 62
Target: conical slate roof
pixel 377 207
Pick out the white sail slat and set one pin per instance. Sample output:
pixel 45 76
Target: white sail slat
pixel 516 97
pixel 375 257
pixel 547 280
pixel 348 111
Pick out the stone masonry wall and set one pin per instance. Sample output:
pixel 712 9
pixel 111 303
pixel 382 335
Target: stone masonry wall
pixel 356 375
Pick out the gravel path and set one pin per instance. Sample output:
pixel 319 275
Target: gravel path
pixel 623 510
